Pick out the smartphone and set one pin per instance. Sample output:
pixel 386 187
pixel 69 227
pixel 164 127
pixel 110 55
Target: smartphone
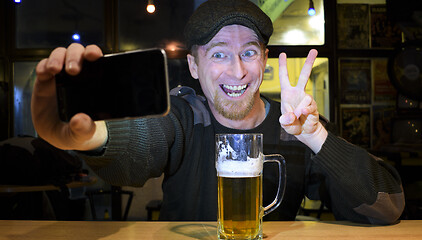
pixel 122 85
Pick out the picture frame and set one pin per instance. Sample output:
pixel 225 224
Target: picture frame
pixel 355 81
pixel 383 90
pixel 356 125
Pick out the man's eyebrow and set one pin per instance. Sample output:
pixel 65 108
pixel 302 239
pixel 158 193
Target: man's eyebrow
pixel 218 44
pixel 213 45
pixel 252 43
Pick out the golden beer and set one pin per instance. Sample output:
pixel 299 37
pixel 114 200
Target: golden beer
pixel 239 163
pixel 240 211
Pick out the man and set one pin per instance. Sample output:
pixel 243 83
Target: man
pixel 228 41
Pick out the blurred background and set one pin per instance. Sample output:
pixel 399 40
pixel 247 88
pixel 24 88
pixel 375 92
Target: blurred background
pixel 367 78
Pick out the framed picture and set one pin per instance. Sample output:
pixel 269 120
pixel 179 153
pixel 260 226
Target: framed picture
pixel 384 34
pixel 355 81
pixel 356 125
pixel 383 90
pixel 353 26
pixel 381 126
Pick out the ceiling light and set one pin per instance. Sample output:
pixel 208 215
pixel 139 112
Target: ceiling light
pixel 311 9
pixel 76 37
pixel 150 6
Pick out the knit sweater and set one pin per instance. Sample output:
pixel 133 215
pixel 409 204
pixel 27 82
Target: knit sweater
pixel 352 183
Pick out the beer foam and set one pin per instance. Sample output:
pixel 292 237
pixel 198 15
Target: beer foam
pixel 252 167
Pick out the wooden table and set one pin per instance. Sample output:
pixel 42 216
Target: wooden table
pixel 89 230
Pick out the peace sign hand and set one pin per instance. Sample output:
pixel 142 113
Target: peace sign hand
pixel 299 110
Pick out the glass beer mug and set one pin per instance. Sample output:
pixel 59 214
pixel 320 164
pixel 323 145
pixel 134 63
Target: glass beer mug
pixel 239 162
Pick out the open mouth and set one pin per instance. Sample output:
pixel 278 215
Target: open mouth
pixel 234 90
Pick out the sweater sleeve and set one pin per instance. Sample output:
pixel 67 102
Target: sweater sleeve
pixel 356 185
pixel 139 149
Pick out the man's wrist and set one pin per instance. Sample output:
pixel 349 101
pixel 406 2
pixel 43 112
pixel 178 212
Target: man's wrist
pixel 314 140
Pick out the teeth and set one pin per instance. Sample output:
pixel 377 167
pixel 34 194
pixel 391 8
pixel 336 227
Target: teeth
pixel 234 94
pixel 235 88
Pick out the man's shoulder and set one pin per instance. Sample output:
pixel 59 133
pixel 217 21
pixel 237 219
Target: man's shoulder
pixel 197 103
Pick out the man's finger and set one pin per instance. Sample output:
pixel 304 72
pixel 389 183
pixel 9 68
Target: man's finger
pixel 306 101
pixel 285 107
pixel 81 127
pixel 311 109
pixel 287 119
pixel 307 68
pixel 92 53
pixel 310 125
pixel 74 58
pixel 287 122
pixel 55 61
pixel 282 71
pixel 41 70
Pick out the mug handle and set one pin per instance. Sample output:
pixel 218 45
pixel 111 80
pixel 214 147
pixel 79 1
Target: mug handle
pixel 277 158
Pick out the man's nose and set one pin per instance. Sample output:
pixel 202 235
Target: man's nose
pixel 238 68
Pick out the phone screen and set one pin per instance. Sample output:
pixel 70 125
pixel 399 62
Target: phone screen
pixel 123 85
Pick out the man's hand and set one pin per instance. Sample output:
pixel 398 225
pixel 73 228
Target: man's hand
pixel 81 133
pixel 299 110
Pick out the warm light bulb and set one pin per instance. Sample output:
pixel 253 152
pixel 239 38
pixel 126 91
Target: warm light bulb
pixel 150 8
pixel 172 46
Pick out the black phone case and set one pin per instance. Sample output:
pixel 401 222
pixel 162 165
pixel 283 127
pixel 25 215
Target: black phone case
pixel 124 85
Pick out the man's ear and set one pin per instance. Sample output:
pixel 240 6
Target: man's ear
pixel 266 55
pixel 193 67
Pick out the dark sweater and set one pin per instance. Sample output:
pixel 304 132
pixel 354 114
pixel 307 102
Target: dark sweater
pixel 355 185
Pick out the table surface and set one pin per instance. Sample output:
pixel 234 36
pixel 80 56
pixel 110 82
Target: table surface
pixel 81 230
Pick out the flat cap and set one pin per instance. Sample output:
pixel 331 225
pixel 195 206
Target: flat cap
pixel 213 15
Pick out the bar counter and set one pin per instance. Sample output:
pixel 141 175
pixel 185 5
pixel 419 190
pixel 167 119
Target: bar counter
pixel 81 230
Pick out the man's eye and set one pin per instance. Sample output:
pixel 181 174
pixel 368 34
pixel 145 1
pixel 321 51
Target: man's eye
pixel 218 55
pixel 249 53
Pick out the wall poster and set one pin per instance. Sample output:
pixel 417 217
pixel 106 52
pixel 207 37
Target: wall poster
pixel 356 125
pixel 355 81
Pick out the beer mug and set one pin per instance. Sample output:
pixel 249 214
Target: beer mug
pixel 239 162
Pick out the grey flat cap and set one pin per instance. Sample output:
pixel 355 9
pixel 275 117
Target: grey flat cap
pixel 213 15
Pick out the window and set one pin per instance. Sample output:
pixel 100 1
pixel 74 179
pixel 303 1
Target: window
pixel 164 28
pixel 48 24
pixel 292 23
pixel 23 83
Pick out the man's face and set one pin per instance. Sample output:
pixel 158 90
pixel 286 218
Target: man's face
pixel 230 69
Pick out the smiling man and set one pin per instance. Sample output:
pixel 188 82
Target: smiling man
pixel 227 39
pixel 230 69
